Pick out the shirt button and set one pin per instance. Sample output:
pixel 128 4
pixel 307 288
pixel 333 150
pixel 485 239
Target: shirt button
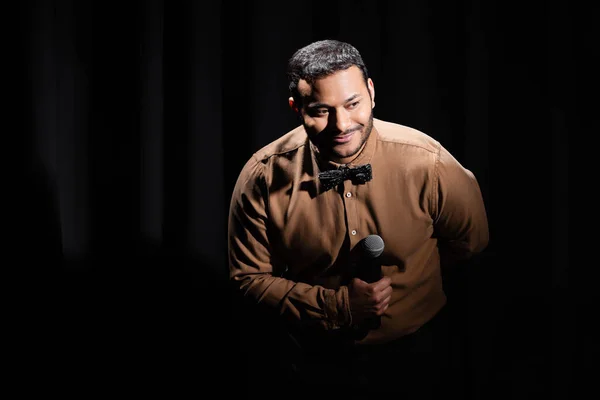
pixel 348 194
pixel 353 232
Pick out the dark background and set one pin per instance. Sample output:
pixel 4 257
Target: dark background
pixel 133 119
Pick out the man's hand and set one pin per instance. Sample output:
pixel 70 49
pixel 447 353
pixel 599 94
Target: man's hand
pixel 368 300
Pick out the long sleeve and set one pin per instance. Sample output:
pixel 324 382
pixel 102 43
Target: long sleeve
pixel 460 219
pixel 251 261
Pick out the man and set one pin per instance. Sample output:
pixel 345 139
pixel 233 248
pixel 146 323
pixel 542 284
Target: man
pixel 296 233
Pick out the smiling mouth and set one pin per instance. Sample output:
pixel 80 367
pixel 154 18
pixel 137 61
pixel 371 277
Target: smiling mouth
pixel 343 138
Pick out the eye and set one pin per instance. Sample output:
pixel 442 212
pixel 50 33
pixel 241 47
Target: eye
pixel 353 105
pixel 318 112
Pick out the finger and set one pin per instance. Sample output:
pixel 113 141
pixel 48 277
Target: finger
pixel 381 307
pixel 381 284
pixel 358 282
pixel 382 310
pixel 382 292
pixel 386 302
pixel 387 292
pixel 383 296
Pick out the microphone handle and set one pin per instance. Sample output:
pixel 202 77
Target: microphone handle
pixel 372 273
pixel 371 270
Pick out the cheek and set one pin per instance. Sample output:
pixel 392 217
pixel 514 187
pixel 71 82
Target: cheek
pixel 314 125
pixel 364 115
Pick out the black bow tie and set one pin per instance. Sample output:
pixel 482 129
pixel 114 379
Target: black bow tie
pixel 334 177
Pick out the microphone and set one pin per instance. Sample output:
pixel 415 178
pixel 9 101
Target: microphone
pixel 369 268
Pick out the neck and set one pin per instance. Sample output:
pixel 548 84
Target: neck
pixel 345 160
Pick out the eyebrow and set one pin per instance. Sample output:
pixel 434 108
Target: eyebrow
pixel 319 105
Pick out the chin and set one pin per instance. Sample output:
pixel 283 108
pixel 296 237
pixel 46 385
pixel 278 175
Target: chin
pixel 344 153
pixel 348 149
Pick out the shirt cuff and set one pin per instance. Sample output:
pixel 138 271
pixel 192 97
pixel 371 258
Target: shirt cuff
pixel 337 308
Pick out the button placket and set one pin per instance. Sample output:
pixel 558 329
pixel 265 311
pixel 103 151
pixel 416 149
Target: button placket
pixel 351 211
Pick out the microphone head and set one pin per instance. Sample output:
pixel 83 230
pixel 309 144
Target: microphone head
pixel 372 246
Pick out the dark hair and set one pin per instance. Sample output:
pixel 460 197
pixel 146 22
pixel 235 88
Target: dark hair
pixel 320 59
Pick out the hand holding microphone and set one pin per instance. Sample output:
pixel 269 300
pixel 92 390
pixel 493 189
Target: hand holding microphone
pixel 369 292
pixel 368 301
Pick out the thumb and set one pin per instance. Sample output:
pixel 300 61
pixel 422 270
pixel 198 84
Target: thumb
pixel 357 282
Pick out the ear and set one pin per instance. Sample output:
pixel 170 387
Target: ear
pixel 371 88
pixel 293 104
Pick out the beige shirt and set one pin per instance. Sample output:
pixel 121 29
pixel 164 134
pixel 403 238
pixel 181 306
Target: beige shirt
pixel 290 242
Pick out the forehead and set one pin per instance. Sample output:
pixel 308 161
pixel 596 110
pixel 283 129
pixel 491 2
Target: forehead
pixel 334 88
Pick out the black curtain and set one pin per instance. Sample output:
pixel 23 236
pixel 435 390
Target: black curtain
pixel 133 120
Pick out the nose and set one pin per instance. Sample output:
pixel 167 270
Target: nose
pixel 341 120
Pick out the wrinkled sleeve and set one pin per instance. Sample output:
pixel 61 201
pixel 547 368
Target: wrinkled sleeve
pixel 250 261
pixel 460 218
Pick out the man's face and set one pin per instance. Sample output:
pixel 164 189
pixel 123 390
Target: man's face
pixel 337 113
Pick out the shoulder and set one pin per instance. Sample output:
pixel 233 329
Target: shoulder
pixel 289 142
pixel 404 136
pixel 287 145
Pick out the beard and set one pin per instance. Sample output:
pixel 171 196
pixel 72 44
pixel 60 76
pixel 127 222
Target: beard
pixel 323 140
